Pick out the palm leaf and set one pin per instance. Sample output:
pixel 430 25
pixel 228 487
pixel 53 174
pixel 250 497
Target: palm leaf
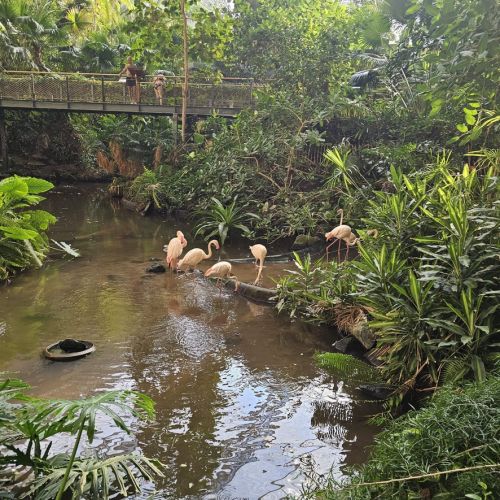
pixel 110 403
pixel 99 478
pixel 349 366
pixel 455 369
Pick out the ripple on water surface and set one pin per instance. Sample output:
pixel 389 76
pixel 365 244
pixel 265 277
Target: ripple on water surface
pixel 242 412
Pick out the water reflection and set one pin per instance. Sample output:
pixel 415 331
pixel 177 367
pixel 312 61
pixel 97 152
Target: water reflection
pixel 241 409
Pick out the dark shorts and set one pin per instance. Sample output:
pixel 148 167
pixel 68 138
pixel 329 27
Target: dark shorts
pixel 130 82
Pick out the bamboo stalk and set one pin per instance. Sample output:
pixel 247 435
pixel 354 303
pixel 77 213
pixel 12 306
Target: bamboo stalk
pixel 422 476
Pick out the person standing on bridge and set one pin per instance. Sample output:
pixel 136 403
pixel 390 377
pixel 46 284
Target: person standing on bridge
pixel 130 72
pixel 159 86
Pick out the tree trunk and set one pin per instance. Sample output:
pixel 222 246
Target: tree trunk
pixel 185 84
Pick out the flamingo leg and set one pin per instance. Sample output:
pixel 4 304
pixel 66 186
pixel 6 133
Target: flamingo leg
pixel 346 256
pixel 258 275
pixel 338 251
pixel 334 241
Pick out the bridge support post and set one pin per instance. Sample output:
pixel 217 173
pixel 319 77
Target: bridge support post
pixel 3 140
pixel 175 124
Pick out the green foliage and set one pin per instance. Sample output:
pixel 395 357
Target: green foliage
pixel 430 283
pixel 29 425
pixel 138 136
pixel 317 291
pixel 457 429
pixel 146 187
pixel 26 27
pixel 299 45
pixel 23 242
pixel 219 220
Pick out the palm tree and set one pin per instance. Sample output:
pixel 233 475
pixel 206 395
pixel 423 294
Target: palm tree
pixel 27 27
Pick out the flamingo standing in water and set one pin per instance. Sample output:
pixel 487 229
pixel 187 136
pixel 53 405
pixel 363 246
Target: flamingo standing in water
pixel 221 270
pixel 259 252
pixel 196 255
pixel 174 249
pixel 342 232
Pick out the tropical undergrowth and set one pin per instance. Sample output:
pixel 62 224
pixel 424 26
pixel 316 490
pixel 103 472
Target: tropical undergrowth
pixel 449 449
pixel 428 284
pixel 29 426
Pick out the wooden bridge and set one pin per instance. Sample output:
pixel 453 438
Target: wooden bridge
pixel 104 93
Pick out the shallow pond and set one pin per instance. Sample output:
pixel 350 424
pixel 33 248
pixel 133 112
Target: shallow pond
pixel 242 411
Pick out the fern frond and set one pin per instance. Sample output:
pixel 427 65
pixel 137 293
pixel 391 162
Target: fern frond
pixel 349 366
pixel 454 370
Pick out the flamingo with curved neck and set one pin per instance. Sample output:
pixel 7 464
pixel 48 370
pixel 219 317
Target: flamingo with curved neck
pixel 196 255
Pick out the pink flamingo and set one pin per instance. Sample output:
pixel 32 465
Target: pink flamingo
pixel 259 252
pixel 221 270
pixel 196 255
pixel 342 232
pixel 174 249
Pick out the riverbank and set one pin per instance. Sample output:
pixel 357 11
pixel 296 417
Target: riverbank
pixel 43 167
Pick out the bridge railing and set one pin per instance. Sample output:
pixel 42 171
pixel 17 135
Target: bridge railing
pixel 107 89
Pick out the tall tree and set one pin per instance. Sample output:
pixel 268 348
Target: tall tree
pixel 185 56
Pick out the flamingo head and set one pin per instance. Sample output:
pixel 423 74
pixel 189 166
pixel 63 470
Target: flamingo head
pixel 215 243
pixel 340 211
pixel 180 235
pixel 328 236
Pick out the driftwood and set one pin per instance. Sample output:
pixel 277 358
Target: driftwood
pixel 253 292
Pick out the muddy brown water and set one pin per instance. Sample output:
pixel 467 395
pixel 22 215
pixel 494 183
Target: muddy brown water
pixel 242 410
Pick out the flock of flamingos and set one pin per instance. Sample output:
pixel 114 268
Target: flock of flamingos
pixel 223 269
pixel 195 256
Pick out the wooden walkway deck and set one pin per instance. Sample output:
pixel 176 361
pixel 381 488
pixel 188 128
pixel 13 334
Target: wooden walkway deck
pixel 103 93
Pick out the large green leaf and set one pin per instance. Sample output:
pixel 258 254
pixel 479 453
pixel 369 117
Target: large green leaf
pixel 93 478
pixel 17 233
pixel 15 187
pixel 36 186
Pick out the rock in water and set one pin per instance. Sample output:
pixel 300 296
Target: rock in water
pixel 72 345
pixel 348 345
pixel 377 391
pixel 156 268
pixel 304 241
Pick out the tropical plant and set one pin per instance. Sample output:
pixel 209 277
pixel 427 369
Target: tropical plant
pixel 29 424
pixel 146 187
pixel 319 292
pixel 219 220
pixel 23 242
pixel 429 284
pixel 347 365
pixel 26 28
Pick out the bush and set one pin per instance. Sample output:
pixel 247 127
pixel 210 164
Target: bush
pixel 23 242
pixel 457 429
pixel 429 282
